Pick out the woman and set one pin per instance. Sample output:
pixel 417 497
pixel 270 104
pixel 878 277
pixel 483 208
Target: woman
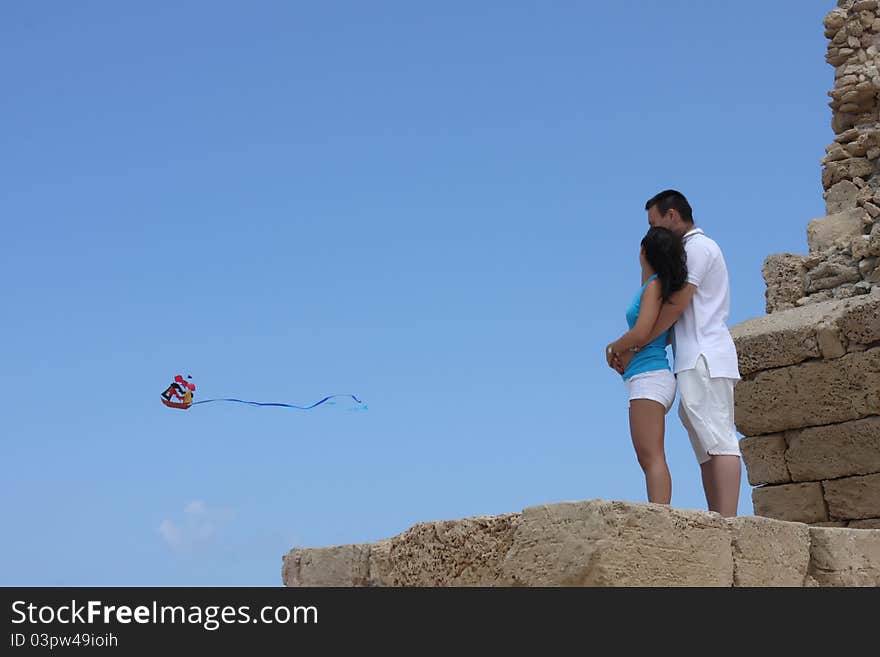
pixel 649 380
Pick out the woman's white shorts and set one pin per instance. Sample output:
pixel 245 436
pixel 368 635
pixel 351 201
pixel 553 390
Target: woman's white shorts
pixel 658 385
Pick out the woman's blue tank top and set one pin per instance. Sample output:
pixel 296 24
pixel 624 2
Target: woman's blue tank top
pixel 653 355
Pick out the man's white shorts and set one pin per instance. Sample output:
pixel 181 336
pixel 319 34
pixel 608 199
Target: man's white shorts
pixel 658 385
pixel 706 410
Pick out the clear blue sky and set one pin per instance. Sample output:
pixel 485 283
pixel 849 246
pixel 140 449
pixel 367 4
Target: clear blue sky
pixel 433 206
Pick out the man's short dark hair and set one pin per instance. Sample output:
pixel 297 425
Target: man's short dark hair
pixel 670 199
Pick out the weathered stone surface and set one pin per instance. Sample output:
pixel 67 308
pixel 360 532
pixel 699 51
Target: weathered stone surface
pixel 834 21
pixel 786 280
pixel 853 497
pixel 859 320
pixel 844 557
pixel 821 329
pixel 837 228
pixel 465 552
pixel 835 152
pixel 872 209
pixel 783 338
pixel 832 451
pixel 831 275
pixel 599 543
pixel 831 344
pixel 866 246
pixel 340 565
pixel 850 134
pixel 841 196
pixel 764 457
pixel 809 394
pixel 867 523
pixel 769 552
pixel 794 502
pixel 846 169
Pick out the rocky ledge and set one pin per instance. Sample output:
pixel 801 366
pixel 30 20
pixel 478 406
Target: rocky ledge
pixel 598 543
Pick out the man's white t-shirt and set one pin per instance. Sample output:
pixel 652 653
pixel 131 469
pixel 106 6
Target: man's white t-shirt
pixel 702 327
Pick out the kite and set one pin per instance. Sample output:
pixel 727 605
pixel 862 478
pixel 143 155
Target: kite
pixel 184 390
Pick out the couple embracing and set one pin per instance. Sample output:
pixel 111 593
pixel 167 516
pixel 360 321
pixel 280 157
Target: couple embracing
pixel 684 299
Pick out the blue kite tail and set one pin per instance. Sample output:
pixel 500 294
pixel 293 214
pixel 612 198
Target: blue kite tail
pixel 253 403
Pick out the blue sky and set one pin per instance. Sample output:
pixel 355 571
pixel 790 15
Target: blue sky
pixel 433 206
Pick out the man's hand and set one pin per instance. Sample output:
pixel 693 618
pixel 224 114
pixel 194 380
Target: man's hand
pixel 621 361
pixel 609 354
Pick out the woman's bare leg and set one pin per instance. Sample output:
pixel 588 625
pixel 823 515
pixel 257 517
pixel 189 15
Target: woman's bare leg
pixel 647 424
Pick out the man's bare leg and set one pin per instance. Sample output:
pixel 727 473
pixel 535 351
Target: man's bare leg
pixel 721 482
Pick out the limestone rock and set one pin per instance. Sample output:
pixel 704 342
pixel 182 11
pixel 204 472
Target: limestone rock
pixel 764 457
pixel 844 557
pixel 847 135
pixel 810 394
pixel 340 565
pixel 792 336
pixel 604 543
pixel 786 279
pixel 866 246
pixel 846 169
pixel 769 552
pixel 868 523
pixel 841 196
pixel 859 320
pixel 783 338
pixel 831 344
pixel 872 209
pixel 794 502
pixel 835 229
pixel 833 22
pixel 833 451
pixel 854 497
pixel 465 552
pixel 599 543
pixel 832 275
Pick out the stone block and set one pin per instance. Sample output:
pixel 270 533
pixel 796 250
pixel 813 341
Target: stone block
pixel 764 457
pixel 853 498
pixel 809 394
pixel 794 502
pixel 844 557
pixel 835 229
pixel 338 565
pixel 601 543
pixel 769 552
pixel 866 523
pixel 841 196
pixel 783 338
pixel 786 279
pixel 833 451
pixel 466 552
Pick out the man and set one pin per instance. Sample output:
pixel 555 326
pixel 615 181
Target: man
pixel 706 366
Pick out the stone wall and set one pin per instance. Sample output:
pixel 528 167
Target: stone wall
pixel 809 401
pixel 844 246
pixel 598 543
pixel 809 404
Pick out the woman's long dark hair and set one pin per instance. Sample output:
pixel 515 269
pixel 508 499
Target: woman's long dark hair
pixel 664 251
